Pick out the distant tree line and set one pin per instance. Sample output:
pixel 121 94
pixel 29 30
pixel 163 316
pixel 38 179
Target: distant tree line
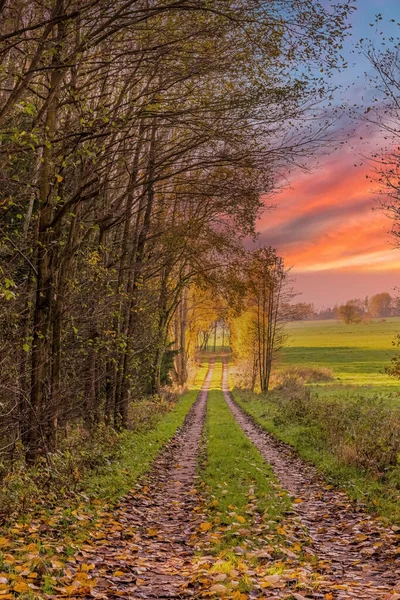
pixel 380 305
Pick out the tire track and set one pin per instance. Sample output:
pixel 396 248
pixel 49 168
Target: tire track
pixel 353 549
pixel 144 549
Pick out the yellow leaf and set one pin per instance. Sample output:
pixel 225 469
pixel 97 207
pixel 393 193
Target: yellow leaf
pixel 152 532
pixel 119 573
pixel 21 586
pixel 339 587
pixel 4 542
pixel 9 558
pixel 85 567
pixel 205 526
pixel 297 547
pixel 298 501
pixel 70 590
pixel 241 519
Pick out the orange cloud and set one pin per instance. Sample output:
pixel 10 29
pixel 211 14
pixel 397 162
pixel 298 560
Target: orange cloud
pixel 325 221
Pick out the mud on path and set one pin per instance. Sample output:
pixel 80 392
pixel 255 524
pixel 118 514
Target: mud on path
pixel 143 550
pixel 357 553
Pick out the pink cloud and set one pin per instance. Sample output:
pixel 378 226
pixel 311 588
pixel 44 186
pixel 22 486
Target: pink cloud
pixel 325 226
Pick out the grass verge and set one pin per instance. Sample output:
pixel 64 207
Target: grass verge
pixel 138 451
pixel 140 448
pixel 335 452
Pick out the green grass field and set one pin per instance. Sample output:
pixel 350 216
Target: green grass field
pixel 357 354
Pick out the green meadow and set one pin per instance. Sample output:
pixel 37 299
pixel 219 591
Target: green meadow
pixel 357 354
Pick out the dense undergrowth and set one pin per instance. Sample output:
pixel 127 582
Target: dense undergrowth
pixel 356 444
pixel 102 463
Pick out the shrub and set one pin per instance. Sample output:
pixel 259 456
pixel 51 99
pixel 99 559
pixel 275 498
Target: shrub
pixel 283 379
pixel 364 432
pixel 62 473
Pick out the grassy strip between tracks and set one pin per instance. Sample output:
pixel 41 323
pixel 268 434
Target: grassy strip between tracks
pixel 246 529
pixel 239 483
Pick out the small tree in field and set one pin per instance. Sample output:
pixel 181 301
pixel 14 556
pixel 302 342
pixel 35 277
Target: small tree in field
pixel 266 298
pixel 380 305
pixel 349 313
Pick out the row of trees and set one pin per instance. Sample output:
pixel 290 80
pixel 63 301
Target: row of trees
pixel 244 312
pixel 380 305
pixel 136 137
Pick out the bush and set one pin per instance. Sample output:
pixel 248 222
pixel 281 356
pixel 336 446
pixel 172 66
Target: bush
pixel 364 432
pixel 145 414
pixel 303 375
pixel 56 475
pixel 62 474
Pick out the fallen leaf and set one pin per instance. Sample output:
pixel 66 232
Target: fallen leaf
pixel 218 588
pixel 21 586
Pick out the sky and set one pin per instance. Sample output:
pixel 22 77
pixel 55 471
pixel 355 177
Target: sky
pixel 325 223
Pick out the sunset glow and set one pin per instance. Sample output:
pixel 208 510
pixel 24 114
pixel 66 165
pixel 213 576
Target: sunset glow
pixel 329 221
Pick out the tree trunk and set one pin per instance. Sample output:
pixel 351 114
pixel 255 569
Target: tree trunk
pixel 121 401
pixel 41 346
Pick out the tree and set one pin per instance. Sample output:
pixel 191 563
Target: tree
pixel 380 305
pixel 300 311
pixel 258 333
pixel 384 115
pixel 349 312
